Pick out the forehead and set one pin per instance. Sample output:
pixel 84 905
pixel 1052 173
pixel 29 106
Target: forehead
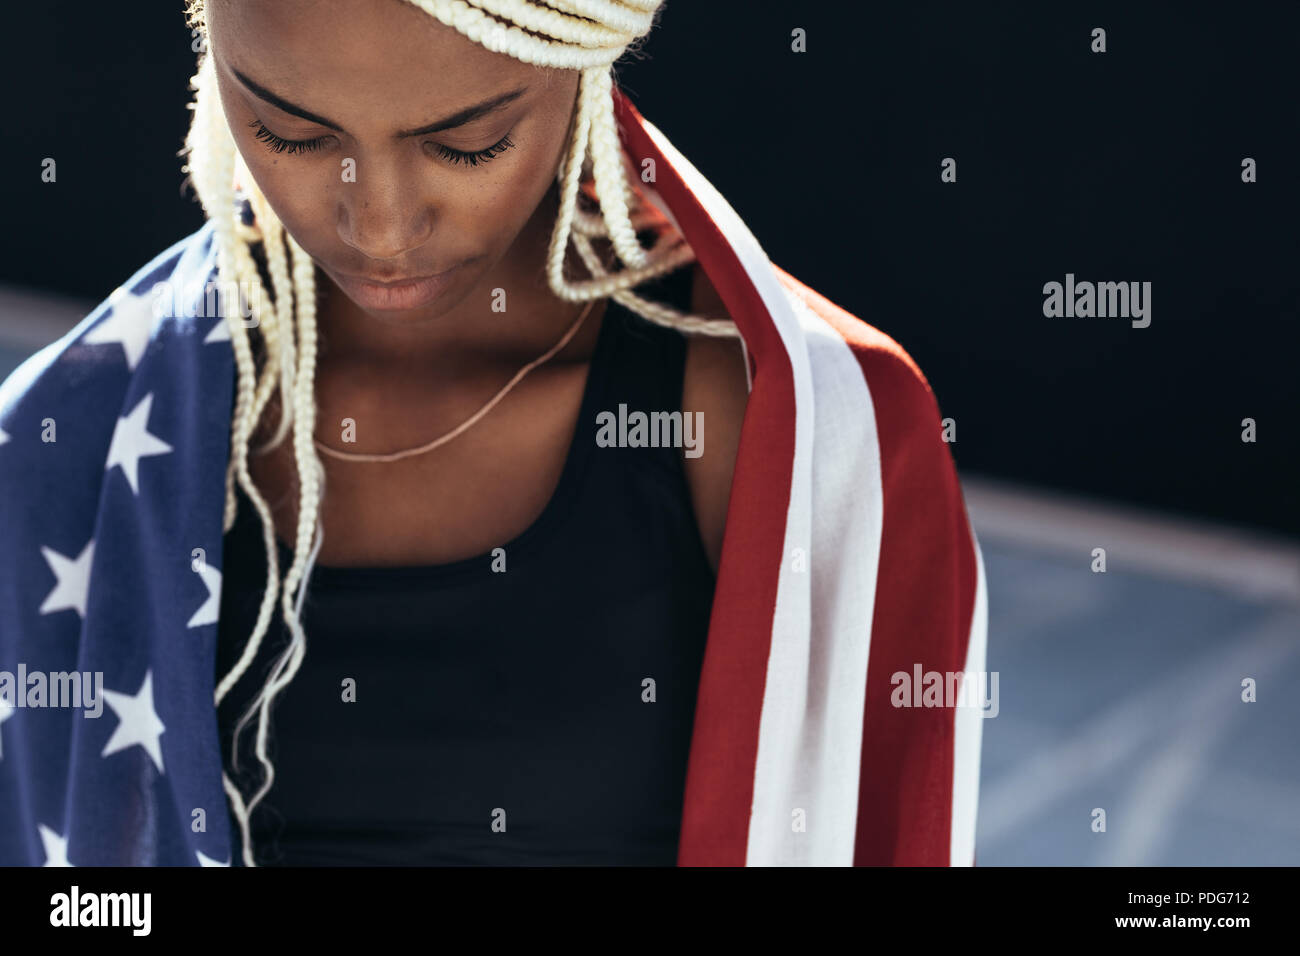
pixel 361 59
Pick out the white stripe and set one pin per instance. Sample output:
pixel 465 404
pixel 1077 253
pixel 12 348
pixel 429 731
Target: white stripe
pixel 810 729
pixel 810 742
pixel 968 731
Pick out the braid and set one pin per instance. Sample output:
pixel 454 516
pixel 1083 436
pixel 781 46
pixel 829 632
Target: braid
pixel 583 35
pixel 310 532
pixel 277 334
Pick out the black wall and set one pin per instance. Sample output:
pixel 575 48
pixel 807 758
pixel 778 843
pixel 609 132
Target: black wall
pixel 1122 166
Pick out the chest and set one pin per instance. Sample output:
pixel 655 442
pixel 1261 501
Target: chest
pixel 459 500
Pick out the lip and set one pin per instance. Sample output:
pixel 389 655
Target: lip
pixel 396 295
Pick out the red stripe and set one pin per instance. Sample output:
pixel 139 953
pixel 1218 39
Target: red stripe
pixel 724 745
pixel 925 598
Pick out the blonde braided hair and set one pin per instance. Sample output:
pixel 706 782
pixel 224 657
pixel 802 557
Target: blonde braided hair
pixel 584 35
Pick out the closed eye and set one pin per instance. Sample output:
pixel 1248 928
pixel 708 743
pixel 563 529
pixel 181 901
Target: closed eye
pixel 278 144
pixel 478 156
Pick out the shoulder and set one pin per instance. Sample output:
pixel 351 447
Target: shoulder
pixel 60 406
pixel 846 352
pixel 877 435
pixel 870 395
pixel 129 317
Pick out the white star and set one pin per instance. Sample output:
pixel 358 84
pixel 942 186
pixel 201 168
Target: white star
pixel 129 323
pixel 132 441
pixel 73 576
pixel 56 847
pixel 4 436
pixel 6 711
pixel 207 614
pixel 207 860
pixel 220 332
pixel 138 721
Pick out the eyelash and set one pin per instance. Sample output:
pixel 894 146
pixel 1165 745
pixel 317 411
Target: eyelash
pixel 278 144
pixel 478 156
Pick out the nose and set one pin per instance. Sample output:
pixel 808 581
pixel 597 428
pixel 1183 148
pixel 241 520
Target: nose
pixel 382 217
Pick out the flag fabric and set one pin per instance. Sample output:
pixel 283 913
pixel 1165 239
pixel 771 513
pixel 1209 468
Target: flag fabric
pixel 848 560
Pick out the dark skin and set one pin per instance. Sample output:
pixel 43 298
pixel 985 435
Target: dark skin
pixel 375 69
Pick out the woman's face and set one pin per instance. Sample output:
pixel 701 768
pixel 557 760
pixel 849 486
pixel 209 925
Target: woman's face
pixel 391 147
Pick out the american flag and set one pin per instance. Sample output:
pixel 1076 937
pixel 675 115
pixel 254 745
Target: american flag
pixel 848 559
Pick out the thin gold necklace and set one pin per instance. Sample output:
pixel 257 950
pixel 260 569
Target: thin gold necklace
pixel 469 422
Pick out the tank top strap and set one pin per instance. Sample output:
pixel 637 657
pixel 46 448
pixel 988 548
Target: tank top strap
pixel 646 361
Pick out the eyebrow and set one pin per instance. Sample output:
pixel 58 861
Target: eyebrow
pixel 460 118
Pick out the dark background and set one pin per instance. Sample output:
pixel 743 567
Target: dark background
pixel 1122 166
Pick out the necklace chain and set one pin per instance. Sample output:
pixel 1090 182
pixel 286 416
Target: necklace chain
pixel 469 422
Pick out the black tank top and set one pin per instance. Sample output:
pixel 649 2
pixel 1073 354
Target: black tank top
pixel 538 716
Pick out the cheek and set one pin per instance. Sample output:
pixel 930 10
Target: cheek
pixel 492 209
pixel 290 187
pixel 512 201
pixel 516 196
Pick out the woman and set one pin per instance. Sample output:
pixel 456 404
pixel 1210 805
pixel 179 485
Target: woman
pixel 547 622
